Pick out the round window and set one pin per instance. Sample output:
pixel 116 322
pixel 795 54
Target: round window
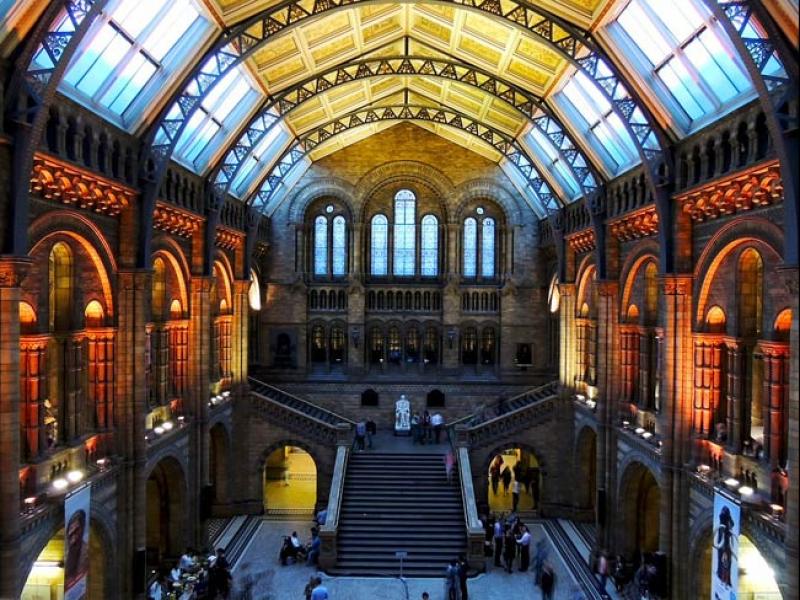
pixel 329 208
pixel 479 210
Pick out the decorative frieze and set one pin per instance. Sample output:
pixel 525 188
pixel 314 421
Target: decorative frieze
pixel 632 226
pixel 228 239
pixel 175 221
pixel 583 241
pixel 760 185
pixel 57 180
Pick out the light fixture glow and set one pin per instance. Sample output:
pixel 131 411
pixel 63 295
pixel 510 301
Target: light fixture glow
pixel 60 484
pixel 75 476
pixel 167 425
pixel 746 490
pixel 731 482
pixel 158 430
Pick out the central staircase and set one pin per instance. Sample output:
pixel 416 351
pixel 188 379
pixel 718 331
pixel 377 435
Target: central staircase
pixel 399 502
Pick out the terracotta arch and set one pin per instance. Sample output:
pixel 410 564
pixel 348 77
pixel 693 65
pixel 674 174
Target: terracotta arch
pixel 636 529
pixel 175 264
pixel 226 274
pixel 95 258
pixel 631 271
pixel 487 188
pixel 219 449
pixel 170 488
pixel 751 230
pixel 586 473
pixel 321 498
pixel 586 271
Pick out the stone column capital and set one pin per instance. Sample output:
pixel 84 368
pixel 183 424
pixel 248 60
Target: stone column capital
pixel 13 270
pixel 676 284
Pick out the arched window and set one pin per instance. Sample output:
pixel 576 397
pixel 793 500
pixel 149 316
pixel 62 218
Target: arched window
pixel 469 346
pixel 404 233
pixel 487 248
pixel 159 291
pixel 337 344
pixel 395 349
pixel 318 349
pixel 379 246
pixel 487 346
pixel 60 287
pixel 320 246
pixel 339 253
pixel 431 346
pixel 651 293
pixel 751 293
pixel 470 247
pixel 430 246
pixel 375 346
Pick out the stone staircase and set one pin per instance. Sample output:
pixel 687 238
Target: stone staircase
pixel 399 502
pixel 294 403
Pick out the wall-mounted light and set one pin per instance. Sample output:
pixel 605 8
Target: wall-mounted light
pixel 75 476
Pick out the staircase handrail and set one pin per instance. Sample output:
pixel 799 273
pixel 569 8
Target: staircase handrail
pixel 257 382
pixel 475 532
pixel 551 387
pixel 329 531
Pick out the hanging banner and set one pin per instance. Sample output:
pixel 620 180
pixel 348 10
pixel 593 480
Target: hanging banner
pixel 76 543
pixel 725 555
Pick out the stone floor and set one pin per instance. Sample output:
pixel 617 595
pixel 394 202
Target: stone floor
pixel 275 582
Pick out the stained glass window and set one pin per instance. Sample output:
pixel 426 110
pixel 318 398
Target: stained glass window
pixel 404 233
pixel 320 246
pixel 339 252
pixel 687 52
pixel 379 246
pixel 487 248
pixel 430 246
pixel 125 49
pixel 470 247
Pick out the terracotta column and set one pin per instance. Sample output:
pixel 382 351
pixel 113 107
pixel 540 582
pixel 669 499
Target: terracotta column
pixel 734 394
pixel 33 382
pixel 791 276
pixel 130 409
pixel 708 357
pixel 629 365
pixel 674 422
pixel 607 382
pixel 12 272
pixel 776 389
pixel 567 333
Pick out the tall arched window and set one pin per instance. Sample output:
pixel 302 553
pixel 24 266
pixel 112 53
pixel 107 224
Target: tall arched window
pixel 320 246
pixel 487 248
pixel 339 254
pixel 404 233
pixel 159 290
pixel 60 287
pixel 751 291
pixel 379 248
pixel 470 247
pixel 429 252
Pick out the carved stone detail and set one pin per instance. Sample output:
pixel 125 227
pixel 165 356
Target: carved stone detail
pixel 175 221
pixel 642 223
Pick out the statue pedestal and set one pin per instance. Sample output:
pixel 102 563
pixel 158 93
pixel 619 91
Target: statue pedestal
pixel 402 416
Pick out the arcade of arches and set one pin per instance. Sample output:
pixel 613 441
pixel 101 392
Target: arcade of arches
pixel 231 230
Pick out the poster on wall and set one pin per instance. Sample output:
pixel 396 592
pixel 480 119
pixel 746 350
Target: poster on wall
pixel 725 543
pixel 76 543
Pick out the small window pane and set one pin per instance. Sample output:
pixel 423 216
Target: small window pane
pixel 430 246
pixel 379 236
pixel 339 246
pixel 321 246
pixel 702 60
pixel 470 247
pixel 487 248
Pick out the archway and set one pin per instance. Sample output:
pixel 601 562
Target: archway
pixel 218 464
pixel 523 466
pixel 166 513
pixel 290 482
pixel 640 507
pixel 46 577
pixel 756 576
pixel 586 469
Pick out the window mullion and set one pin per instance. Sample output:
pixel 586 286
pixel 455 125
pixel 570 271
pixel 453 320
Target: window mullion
pixel 704 88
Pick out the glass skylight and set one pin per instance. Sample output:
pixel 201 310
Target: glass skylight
pixel 125 49
pixel 263 154
pixel 551 161
pixel 604 129
pixel 212 122
pixel 687 52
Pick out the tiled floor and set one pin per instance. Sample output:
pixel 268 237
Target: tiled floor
pixel 275 582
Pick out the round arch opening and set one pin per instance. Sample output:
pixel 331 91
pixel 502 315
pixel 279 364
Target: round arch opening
pixel 756 576
pixel 290 482
pixel 46 577
pixel 507 468
pixel 640 503
pixel 166 515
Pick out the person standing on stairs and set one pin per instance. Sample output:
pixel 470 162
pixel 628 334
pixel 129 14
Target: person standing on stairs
pixel 449 462
pixel 426 428
pixel 361 432
pixel 451 584
pixel 509 550
pixel 498 540
pixel 506 479
pixel 515 486
pixel 372 429
pixel 494 472
pixel 463 568
pixel 524 541
pixel 437 421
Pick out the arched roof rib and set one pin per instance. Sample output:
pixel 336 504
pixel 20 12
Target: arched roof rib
pixel 242 41
pixel 319 135
pixel 528 105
